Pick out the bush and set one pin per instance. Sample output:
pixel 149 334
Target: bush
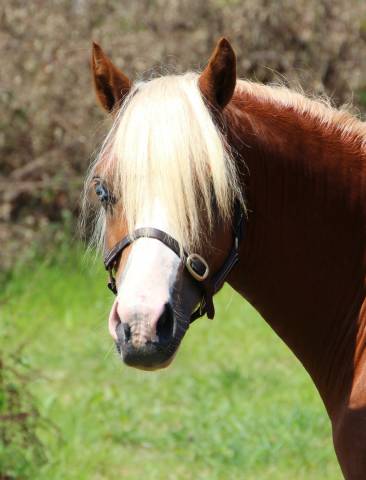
pixel 21 450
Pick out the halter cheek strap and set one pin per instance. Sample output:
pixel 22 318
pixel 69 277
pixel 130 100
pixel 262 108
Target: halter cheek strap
pixel 194 263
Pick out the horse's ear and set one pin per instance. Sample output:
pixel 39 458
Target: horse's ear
pixel 111 85
pixel 217 81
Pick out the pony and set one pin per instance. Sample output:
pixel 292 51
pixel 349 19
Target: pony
pixel 205 178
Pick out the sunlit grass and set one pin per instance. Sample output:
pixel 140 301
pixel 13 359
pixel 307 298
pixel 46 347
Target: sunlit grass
pixel 235 404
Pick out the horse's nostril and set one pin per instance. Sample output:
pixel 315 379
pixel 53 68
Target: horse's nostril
pixel 165 325
pixel 123 332
pixel 126 331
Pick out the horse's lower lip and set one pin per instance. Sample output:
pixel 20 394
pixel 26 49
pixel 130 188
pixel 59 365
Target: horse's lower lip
pixel 146 358
pixel 151 368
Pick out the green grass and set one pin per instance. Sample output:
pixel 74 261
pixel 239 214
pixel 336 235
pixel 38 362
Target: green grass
pixel 235 403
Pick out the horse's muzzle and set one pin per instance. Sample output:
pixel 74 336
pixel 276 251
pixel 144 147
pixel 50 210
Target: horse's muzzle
pixel 143 346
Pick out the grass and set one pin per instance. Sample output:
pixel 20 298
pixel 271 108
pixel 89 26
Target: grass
pixel 235 404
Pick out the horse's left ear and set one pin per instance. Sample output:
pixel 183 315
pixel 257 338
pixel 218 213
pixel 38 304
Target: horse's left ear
pixel 111 85
pixel 217 81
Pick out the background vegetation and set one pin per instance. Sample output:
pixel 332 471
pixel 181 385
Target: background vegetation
pixel 235 404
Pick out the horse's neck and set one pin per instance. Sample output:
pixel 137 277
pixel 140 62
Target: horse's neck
pixel 303 259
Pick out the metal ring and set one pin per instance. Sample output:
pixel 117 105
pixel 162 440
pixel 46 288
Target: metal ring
pixel 195 275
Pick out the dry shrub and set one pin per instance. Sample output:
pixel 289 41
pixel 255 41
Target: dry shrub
pixel 21 449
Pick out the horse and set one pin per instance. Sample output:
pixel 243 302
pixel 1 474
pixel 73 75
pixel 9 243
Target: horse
pixel 205 179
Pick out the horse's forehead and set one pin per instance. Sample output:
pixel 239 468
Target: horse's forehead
pixel 154 214
pixel 105 161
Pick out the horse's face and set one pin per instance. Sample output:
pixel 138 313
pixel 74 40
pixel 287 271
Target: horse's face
pixel 155 294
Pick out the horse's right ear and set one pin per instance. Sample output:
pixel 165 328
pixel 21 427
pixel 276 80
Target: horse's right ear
pixel 111 85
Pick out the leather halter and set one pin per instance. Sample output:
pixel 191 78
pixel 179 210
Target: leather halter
pixel 194 263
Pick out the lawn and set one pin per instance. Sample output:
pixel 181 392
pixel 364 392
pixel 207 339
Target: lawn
pixel 235 403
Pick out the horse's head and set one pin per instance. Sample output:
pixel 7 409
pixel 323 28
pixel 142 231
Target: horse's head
pixel 167 185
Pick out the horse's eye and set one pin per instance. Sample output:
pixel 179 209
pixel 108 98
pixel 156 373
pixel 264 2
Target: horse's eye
pixel 102 193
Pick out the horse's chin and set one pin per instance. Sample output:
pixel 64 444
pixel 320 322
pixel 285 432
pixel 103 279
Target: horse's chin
pixel 154 368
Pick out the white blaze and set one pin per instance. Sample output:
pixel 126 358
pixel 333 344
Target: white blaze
pixel 149 275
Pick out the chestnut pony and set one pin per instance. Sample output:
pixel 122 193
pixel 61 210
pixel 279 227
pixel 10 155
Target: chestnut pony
pixel 206 178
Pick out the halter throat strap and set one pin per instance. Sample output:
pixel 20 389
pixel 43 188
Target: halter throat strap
pixel 209 285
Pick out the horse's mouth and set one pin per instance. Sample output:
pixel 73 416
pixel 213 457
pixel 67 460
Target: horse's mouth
pixel 148 366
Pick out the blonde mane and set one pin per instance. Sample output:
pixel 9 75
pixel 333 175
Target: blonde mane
pixel 320 109
pixel 164 145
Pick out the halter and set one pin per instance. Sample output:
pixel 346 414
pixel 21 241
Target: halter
pixel 196 265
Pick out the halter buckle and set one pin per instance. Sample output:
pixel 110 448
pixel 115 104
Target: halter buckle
pixel 193 264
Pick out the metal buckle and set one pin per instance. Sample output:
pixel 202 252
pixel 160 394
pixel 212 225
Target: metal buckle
pixel 190 262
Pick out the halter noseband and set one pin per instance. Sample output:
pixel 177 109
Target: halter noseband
pixel 194 263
